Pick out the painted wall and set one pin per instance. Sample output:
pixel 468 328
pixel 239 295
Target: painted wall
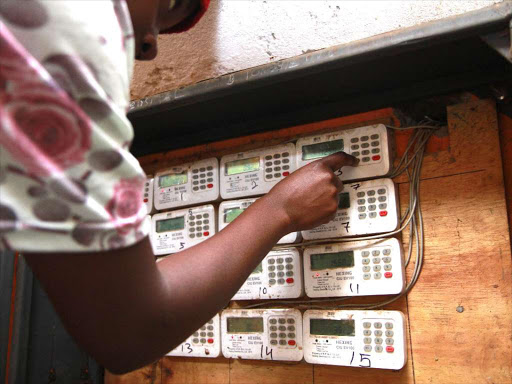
pixel 240 34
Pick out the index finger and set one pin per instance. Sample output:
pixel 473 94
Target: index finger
pixel 338 160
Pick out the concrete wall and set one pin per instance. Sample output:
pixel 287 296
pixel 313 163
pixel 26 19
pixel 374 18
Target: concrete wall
pixel 238 34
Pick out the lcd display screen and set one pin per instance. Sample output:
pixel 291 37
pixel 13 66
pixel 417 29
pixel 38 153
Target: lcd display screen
pixel 258 269
pixel 321 261
pixel 245 324
pixel 172 179
pixel 242 166
pixel 315 151
pixel 174 224
pixel 328 327
pixel 231 214
pixel 344 202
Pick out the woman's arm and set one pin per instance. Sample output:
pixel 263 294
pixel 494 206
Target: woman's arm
pixel 127 311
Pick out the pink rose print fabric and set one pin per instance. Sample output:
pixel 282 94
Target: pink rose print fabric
pixel 67 180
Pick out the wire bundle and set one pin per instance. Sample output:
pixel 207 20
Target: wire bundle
pixel 410 163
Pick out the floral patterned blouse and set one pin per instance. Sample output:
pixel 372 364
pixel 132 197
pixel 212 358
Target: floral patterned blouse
pixel 67 180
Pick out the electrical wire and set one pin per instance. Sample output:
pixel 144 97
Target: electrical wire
pixel 411 164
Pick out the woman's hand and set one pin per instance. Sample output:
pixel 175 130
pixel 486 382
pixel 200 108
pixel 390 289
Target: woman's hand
pixel 309 196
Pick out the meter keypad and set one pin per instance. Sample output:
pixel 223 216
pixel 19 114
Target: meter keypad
pixel 376 260
pixel 277 166
pixel 362 147
pixel 286 335
pixel 283 264
pixel 198 225
pixel 146 191
pixel 369 204
pixel 202 179
pixel 204 335
pixel 377 343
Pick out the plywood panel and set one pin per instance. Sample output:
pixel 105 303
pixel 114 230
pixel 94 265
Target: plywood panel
pixel 151 374
pixel 270 372
pixel 181 370
pixel 460 311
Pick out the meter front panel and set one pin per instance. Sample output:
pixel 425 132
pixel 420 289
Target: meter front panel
pixel 187 184
pixel 148 195
pixel 262 334
pixel 278 276
pixel 177 230
pixel 358 268
pixel 255 172
pixel 230 210
pixel 371 145
pixel 205 342
pixel 365 207
pixel 366 339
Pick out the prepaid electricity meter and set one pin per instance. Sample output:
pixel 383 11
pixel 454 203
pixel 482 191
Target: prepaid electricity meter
pixel 371 145
pixel 255 172
pixel 177 230
pixel 262 334
pixel 365 207
pixel 187 184
pixel 205 342
pixel 230 210
pixel 366 339
pixel 358 268
pixel 278 276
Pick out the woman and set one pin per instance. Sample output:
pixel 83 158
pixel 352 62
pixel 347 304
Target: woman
pixel 71 193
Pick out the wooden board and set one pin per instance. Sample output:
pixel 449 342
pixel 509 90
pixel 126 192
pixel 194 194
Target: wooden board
pixel 459 315
pixel 151 374
pixel 460 312
pixel 180 370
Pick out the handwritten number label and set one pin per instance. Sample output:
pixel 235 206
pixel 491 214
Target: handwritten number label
pixel 355 187
pixel 338 172
pixel 365 361
pixel 182 245
pixel 346 224
pixel 357 288
pixel 263 290
pixel 266 352
pixel 189 348
pixel 365 357
pixel 254 185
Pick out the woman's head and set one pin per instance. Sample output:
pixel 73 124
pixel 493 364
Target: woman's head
pixel 150 17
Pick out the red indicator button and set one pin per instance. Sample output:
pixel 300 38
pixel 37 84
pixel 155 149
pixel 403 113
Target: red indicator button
pixel 210 185
pixel 390 349
pixel 286 173
pixel 376 157
pixel 206 233
pixel 290 280
pixel 291 342
pixel 383 213
pixel 145 200
pixel 210 341
pixel 388 275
